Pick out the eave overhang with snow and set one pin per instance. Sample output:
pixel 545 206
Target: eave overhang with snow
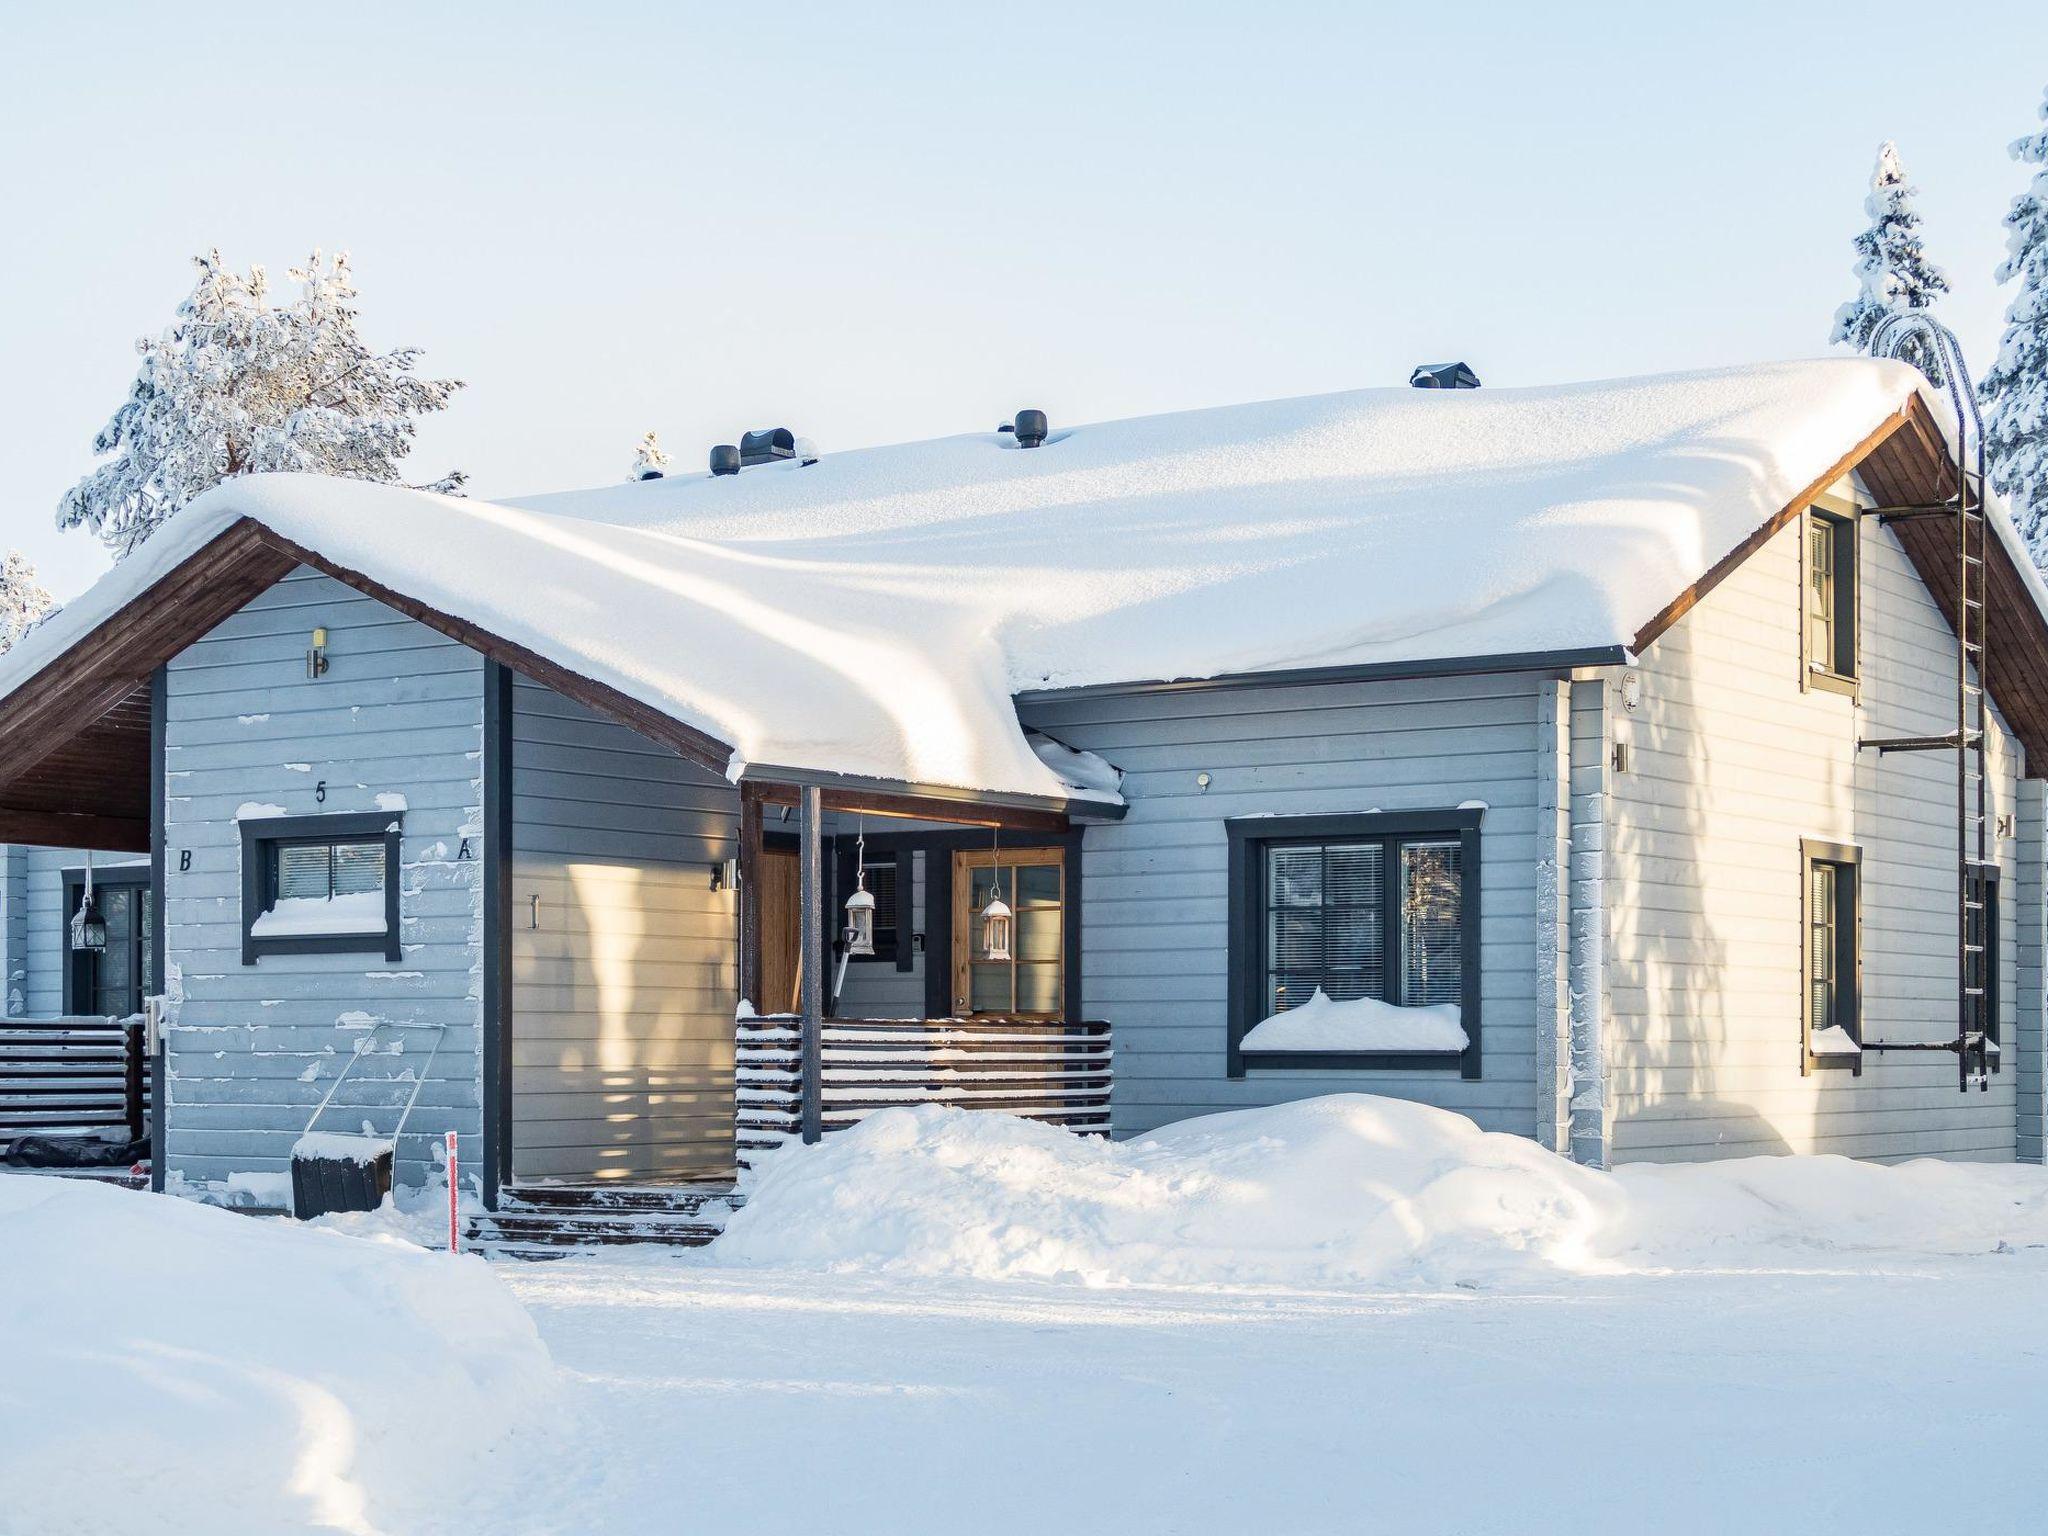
pixel 868 622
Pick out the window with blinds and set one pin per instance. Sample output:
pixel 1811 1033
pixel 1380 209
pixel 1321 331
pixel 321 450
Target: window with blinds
pixel 1380 918
pixel 321 885
pixel 322 870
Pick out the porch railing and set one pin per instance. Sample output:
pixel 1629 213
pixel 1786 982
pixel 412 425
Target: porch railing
pixel 70 1075
pixel 1051 1072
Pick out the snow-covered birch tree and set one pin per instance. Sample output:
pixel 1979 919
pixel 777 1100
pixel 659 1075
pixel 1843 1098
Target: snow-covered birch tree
pixel 649 462
pixel 2015 391
pixel 237 385
pixel 1892 269
pixel 23 602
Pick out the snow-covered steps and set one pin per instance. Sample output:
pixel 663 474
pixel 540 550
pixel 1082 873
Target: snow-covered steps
pixel 548 1221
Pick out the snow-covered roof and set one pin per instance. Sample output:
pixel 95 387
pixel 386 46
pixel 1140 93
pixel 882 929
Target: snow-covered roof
pixel 874 613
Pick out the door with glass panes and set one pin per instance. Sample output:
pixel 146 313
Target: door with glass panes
pixel 1031 981
pixel 111 982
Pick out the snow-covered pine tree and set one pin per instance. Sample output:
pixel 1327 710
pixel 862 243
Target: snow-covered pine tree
pixel 237 385
pixel 2015 391
pixel 649 462
pixel 23 602
pixel 1892 269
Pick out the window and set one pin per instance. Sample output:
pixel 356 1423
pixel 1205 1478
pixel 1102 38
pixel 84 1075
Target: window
pixel 1378 909
pixel 114 981
pixel 320 885
pixel 1980 951
pixel 888 875
pixel 1830 621
pixel 1833 1007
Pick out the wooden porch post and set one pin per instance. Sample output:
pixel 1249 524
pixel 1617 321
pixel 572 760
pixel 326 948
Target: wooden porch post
pixel 750 853
pixel 811 962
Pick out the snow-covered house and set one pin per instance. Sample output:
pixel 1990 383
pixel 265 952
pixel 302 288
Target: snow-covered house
pixel 1515 751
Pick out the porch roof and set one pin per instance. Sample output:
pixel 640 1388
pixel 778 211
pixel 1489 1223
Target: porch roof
pixel 872 616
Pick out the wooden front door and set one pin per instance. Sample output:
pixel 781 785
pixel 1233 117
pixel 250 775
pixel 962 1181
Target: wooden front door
pixel 1032 982
pixel 782 971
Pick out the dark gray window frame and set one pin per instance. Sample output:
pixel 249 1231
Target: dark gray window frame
pixel 899 949
pixel 1831 675
pixel 1250 836
pixel 259 837
pixel 1848 950
pixel 1987 876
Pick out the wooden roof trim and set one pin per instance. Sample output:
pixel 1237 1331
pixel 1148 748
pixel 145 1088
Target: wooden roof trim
pixel 104 668
pixel 1721 569
pixel 699 747
pixel 64 829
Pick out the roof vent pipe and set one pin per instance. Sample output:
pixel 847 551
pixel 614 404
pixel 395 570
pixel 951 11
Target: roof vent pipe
pixel 725 460
pixel 767 445
pixel 1444 376
pixel 1030 428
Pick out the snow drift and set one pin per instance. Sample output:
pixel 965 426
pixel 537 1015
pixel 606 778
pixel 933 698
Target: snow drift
pixel 164 1363
pixel 1344 1190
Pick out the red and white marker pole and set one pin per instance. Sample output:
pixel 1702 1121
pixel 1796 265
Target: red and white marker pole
pixel 454 1199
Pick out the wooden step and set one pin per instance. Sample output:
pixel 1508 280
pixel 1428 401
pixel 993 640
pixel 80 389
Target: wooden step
pixel 679 1199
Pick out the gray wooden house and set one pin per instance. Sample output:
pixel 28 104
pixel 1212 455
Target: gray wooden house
pixel 1598 762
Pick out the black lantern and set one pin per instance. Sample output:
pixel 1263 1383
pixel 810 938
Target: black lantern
pixel 88 928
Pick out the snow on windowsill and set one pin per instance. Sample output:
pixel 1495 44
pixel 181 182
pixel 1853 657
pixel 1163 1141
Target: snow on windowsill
pixel 1360 1024
pixel 293 917
pixel 1833 1041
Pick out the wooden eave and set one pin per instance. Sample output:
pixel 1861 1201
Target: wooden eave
pixel 1906 462
pixel 75 737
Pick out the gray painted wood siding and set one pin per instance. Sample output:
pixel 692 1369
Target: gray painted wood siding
pixel 400 712
pixel 623 994
pixel 1154 956
pixel 1731 764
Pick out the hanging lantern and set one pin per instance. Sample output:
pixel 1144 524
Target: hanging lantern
pixel 996 923
pixel 88 928
pixel 860 919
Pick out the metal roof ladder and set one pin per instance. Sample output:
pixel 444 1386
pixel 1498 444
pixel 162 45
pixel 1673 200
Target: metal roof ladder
pixel 1932 348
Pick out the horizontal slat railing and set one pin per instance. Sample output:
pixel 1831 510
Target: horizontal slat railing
pixel 1055 1073
pixel 67 1076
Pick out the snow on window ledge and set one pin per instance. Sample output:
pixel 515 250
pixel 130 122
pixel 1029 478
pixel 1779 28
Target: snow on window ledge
pixel 298 917
pixel 1323 1024
pixel 1833 1041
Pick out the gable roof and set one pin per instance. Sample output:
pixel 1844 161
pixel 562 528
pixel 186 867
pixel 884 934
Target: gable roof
pixel 872 615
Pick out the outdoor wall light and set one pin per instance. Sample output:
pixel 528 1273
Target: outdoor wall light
pixel 316 658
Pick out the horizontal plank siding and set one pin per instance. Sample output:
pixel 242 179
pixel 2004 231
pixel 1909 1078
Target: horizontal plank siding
pixel 254 1047
pixel 1731 764
pixel 624 979
pixel 1155 917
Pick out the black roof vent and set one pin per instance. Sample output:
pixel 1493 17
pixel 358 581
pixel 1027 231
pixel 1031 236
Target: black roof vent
pixel 1444 376
pixel 768 445
pixel 650 473
pixel 725 460
pixel 1006 427
pixel 1030 428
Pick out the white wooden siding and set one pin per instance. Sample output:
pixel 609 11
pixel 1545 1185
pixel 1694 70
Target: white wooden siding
pixel 1731 764
pixel 400 711
pixel 623 994
pixel 1154 957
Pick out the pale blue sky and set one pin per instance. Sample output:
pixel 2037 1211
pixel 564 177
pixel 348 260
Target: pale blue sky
pixel 880 223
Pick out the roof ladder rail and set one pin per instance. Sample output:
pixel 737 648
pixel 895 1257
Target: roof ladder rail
pixel 1913 336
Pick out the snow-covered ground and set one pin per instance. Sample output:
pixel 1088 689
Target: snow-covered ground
pixel 1348 1315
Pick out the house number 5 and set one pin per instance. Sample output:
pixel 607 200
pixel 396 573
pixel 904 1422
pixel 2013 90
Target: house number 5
pixel 320 792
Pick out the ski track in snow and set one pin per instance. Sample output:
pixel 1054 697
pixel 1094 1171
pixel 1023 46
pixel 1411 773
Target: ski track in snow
pixel 1703 1402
